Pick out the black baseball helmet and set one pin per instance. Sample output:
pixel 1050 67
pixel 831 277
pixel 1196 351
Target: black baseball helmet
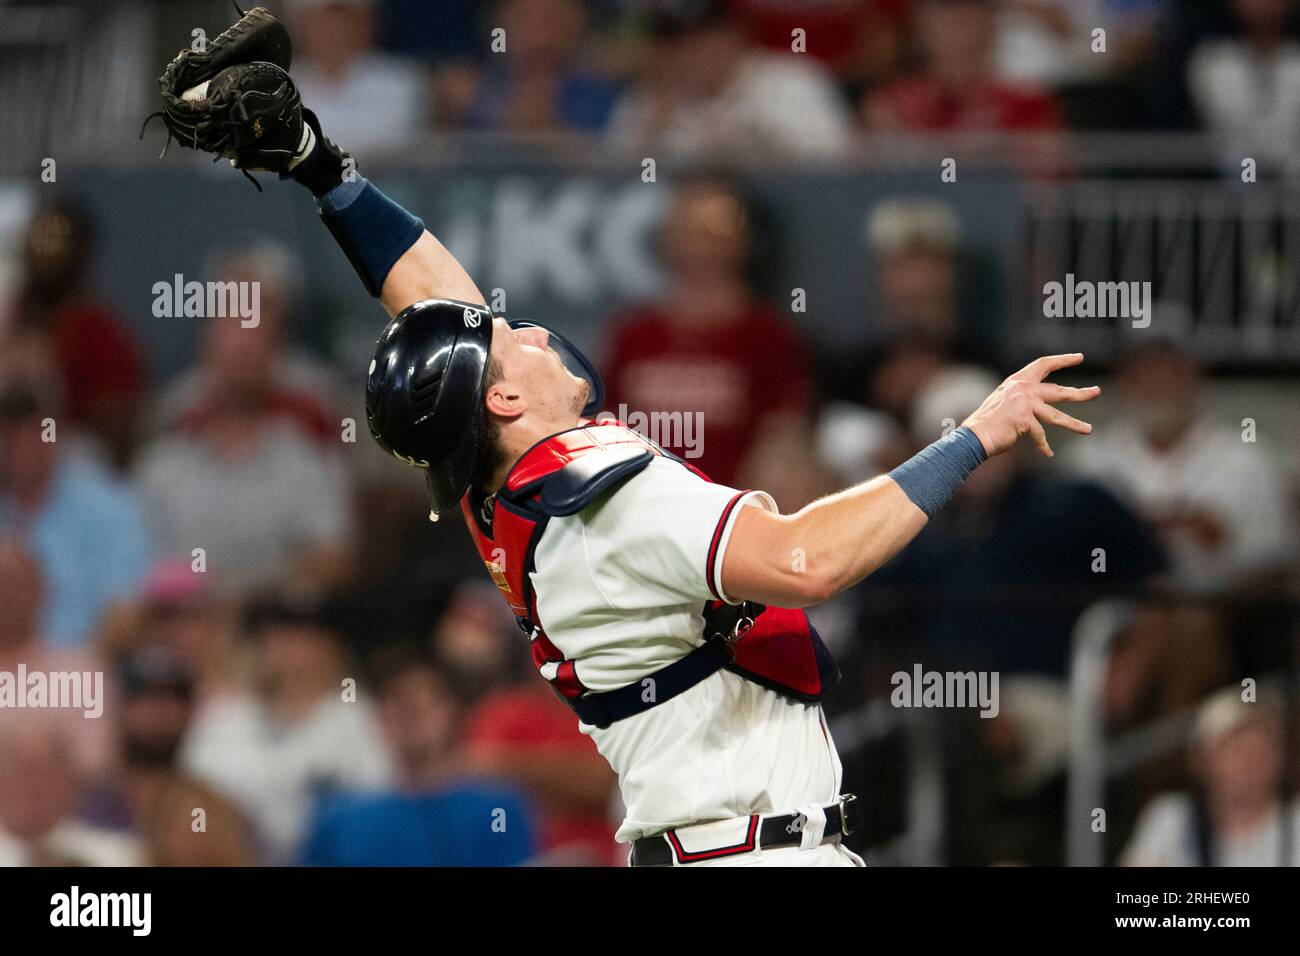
pixel 424 390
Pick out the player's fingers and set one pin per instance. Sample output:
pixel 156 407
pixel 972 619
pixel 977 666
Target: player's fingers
pixel 1040 368
pixel 1054 416
pixel 1050 392
pixel 1039 436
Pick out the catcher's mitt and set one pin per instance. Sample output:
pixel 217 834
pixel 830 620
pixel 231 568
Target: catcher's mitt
pixel 234 98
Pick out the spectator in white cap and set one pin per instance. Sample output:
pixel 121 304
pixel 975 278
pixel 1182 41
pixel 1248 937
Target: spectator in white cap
pixel 915 243
pixel 913 317
pixel 1233 815
pixel 912 331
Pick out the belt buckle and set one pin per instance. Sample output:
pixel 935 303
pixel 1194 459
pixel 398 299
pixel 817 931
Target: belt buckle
pixel 843 800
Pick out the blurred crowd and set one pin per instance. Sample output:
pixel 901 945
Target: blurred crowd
pixel 682 79
pixel 291 646
pixel 693 78
pixel 301 668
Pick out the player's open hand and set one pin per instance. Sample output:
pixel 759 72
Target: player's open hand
pixel 1022 405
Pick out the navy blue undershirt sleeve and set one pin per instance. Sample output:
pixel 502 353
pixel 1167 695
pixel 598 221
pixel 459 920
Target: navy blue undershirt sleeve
pixel 371 229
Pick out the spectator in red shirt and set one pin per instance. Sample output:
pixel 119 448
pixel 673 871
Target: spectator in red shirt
pixel 858 39
pixel 730 366
pixel 100 364
pixel 959 90
pixel 527 734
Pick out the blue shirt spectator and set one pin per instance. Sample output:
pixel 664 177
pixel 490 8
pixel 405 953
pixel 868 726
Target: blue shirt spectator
pixel 582 101
pixel 85 527
pixel 536 78
pixel 470 823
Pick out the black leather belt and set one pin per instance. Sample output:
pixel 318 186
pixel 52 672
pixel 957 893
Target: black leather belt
pixel 663 849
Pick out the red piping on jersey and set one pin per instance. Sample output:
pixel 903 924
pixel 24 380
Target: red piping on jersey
pixel 718 530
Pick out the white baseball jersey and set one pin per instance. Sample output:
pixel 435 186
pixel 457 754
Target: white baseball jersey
pixel 620 588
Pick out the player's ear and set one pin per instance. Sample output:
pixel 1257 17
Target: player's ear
pixel 504 400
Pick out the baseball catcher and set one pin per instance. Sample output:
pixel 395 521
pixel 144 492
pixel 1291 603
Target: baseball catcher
pixel 663 608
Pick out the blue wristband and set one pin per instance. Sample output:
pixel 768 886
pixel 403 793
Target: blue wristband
pixel 371 229
pixel 930 477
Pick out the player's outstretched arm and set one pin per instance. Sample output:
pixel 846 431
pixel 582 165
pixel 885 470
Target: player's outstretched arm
pixel 397 259
pixel 842 538
pixel 427 271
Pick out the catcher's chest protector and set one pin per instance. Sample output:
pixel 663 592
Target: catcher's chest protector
pixel 562 475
